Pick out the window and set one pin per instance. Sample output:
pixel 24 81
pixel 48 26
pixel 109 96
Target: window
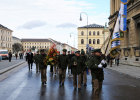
pixel 98 33
pixel 98 41
pixel 90 33
pixel 89 41
pixel 82 33
pixel 82 41
pixel 94 41
pixel 94 33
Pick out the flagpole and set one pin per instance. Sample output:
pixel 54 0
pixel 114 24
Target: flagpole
pixel 110 36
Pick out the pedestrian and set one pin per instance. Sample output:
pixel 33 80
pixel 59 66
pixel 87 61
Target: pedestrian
pixel 36 61
pixel 69 69
pixel 96 65
pixel 10 56
pixel 30 59
pixel 77 70
pixel 43 67
pixel 62 64
pixel 108 59
pixel 117 58
pixel 70 59
pixel 84 68
pixel 16 55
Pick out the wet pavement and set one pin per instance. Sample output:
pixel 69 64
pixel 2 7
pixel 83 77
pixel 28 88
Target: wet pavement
pixel 26 85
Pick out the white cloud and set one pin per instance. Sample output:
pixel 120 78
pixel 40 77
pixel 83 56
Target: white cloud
pixel 67 25
pixel 33 24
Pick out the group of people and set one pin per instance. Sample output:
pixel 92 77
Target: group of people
pixel 78 64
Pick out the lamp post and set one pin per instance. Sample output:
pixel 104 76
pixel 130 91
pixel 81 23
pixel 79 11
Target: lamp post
pixel 87 28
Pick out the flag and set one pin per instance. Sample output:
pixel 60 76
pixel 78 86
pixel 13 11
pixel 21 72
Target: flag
pixel 119 29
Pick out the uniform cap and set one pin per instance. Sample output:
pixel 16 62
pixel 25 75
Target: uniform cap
pixel 64 50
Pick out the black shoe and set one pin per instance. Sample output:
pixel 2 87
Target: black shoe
pixel 62 84
pixel 79 89
pixel 85 85
pixel 43 83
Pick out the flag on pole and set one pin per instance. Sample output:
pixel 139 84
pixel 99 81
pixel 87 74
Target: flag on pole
pixel 119 29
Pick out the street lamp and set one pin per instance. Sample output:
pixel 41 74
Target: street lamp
pixel 87 28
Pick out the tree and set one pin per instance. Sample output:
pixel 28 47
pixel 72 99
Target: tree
pixel 17 47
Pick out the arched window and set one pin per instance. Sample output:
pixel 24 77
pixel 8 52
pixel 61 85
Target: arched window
pixel 98 41
pixel 82 41
pixel 89 32
pixel 94 41
pixel 98 33
pixel 94 33
pixel 82 33
pixel 89 41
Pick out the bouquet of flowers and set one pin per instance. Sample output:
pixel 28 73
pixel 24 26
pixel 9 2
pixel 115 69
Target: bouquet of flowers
pixel 51 58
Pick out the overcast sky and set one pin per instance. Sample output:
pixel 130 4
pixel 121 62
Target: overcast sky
pixel 51 18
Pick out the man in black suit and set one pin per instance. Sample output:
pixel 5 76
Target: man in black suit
pixel 30 59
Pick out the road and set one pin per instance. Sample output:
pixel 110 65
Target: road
pixel 6 63
pixel 26 85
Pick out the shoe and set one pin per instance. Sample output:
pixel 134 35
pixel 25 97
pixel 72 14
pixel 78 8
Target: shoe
pixel 85 85
pixel 79 89
pixel 75 88
pixel 42 83
pixel 62 84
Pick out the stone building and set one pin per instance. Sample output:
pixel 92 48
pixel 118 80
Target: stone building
pixel 5 38
pixel 15 40
pixel 130 46
pixel 96 36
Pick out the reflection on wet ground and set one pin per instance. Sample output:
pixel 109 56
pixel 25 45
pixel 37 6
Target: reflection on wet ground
pixel 26 85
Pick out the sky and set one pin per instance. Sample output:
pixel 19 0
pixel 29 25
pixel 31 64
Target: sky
pixel 55 19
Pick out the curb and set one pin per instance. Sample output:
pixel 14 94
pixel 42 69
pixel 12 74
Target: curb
pixel 10 68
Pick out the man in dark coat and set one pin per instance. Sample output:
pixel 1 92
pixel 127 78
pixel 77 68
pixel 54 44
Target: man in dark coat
pixel 96 65
pixel 77 70
pixel 30 59
pixel 43 67
pixel 62 64
pixel 84 68
pixel 10 56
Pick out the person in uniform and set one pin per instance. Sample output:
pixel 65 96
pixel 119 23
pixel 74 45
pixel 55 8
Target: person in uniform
pixel 84 68
pixel 43 67
pixel 77 70
pixel 69 69
pixel 36 60
pixel 30 59
pixel 96 65
pixel 62 64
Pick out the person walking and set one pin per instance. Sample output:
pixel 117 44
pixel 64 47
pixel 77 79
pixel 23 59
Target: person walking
pixel 43 67
pixel 77 70
pixel 16 55
pixel 36 61
pixel 96 64
pixel 62 64
pixel 30 59
pixel 10 56
pixel 84 68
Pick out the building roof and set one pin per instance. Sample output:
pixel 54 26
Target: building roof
pixel 92 26
pixel 15 37
pixel 1 26
pixel 35 40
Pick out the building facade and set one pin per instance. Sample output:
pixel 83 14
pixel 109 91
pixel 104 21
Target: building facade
pixel 5 38
pixel 130 46
pixel 38 44
pixel 96 36
pixel 15 40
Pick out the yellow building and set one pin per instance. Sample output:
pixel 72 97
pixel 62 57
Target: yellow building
pixel 96 36
pixel 36 43
pixel 5 38
pixel 130 46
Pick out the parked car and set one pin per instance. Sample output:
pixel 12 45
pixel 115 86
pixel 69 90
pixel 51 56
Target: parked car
pixel 4 54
